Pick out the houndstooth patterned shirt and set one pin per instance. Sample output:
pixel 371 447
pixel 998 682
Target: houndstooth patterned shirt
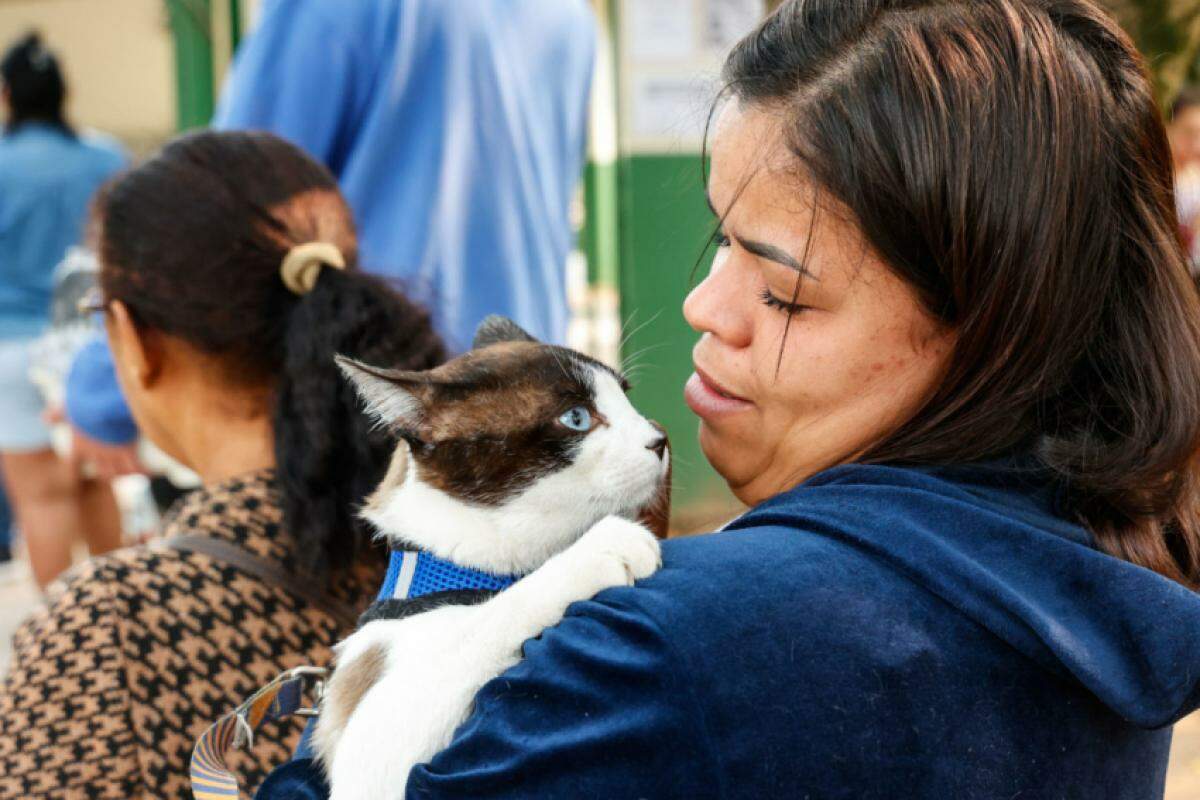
pixel 138 652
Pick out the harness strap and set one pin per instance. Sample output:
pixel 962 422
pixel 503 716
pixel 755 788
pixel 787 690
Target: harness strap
pixel 266 571
pixel 211 777
pixel 410 575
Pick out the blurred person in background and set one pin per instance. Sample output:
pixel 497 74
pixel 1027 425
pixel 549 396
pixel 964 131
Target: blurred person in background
pixel 1184 133
pixel 264 567
pixel 48 173
pixel 457 132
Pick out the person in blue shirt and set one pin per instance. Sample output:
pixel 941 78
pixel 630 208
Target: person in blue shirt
pixel 456 131
pixel 949 355
pixel 48 174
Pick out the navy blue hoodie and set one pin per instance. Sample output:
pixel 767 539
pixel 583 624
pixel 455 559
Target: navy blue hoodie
pixel 875 633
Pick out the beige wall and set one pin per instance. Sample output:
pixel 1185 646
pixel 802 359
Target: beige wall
pixel 118 57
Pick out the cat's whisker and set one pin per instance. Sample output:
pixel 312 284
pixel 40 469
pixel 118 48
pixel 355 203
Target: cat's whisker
pixel 631 362
pixel 627 335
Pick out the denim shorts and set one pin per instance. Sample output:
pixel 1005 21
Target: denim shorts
pixel 21 404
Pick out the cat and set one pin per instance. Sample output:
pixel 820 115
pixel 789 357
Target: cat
pixel 515 458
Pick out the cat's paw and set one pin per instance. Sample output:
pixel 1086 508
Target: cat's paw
pixel 616 552
pixel 613 553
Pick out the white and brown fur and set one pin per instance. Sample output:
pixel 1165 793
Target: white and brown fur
pixel 487 477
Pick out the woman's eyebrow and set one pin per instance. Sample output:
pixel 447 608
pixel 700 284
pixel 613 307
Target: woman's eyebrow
pixel 764 250
pixel 776 254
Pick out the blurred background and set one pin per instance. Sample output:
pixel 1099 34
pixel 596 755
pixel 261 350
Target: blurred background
pixel 142 70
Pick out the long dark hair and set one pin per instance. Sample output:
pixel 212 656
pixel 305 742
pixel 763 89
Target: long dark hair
pixel 192 242
pixel 1007 159
pixel 36 88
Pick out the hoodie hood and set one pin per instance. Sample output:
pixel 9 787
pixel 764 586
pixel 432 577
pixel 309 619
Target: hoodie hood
pixel 987 540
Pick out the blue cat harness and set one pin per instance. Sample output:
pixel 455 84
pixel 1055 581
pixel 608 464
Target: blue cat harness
pixel 415 574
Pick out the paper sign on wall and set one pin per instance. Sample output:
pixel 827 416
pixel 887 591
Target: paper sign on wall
pixel 661 30
pixel 672 107
pixel 727 21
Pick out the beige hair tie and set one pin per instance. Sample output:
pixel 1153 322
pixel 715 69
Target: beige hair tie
pixel 303 263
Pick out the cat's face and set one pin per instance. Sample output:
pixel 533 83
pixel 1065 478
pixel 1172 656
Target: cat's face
pixel 520 427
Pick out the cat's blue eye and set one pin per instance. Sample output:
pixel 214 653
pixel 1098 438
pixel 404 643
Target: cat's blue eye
pixel 576 419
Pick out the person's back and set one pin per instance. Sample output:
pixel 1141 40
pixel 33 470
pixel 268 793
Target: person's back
pixel 456 130
pixel 47 178
pixel 874 633
pixel 139 651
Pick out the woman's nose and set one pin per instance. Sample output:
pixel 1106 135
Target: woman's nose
pixel 715 306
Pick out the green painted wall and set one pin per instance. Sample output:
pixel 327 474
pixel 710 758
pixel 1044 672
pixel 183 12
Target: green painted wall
pixel 665 227
pixel 600 237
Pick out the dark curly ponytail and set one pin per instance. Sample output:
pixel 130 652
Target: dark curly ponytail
pixel 322 438
pixel 192 243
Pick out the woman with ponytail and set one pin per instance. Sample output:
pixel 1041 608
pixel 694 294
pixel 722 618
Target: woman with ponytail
pixel 228 282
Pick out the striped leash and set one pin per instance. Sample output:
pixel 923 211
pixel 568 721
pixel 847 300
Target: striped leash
pixel 283 697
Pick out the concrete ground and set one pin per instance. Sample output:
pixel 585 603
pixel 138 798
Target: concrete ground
pixel 18 599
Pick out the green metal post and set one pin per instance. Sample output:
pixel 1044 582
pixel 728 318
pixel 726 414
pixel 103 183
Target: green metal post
pixel 601 235
pixel 191 28
pixel 235 25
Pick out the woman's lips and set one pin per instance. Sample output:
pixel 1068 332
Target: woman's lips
pixel 707 398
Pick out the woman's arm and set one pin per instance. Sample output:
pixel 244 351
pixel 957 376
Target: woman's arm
pixel 599 707
pixel 65 728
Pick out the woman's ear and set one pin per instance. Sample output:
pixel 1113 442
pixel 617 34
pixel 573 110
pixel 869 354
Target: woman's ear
pixel 132 346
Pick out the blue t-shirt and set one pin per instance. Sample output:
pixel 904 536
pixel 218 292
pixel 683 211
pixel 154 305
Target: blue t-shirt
pixel 456 130
pixel 877 632
pixel 47 179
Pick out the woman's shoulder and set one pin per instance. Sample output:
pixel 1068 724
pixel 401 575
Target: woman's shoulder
pixel 106 592
pixel 861 549
pixel 865 519
pixel 886 565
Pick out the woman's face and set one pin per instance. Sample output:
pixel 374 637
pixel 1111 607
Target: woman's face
pixel 859 356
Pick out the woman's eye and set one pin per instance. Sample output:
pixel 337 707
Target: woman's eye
pixel 771 301
pixel 577 419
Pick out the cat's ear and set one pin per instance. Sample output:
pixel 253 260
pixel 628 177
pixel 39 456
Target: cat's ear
pixel 390 395
pixel 496 329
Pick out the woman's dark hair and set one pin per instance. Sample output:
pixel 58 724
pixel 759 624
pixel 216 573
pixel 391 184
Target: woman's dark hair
pixel 1007 160
pixel 192 242
pixel 36 89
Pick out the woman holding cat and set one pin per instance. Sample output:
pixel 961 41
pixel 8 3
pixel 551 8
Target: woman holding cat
pixel 229 282
pixel 950 356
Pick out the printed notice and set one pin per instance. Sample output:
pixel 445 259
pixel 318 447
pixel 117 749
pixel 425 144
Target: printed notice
pixel 661 30
pixel 727 21
pixel 671 107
